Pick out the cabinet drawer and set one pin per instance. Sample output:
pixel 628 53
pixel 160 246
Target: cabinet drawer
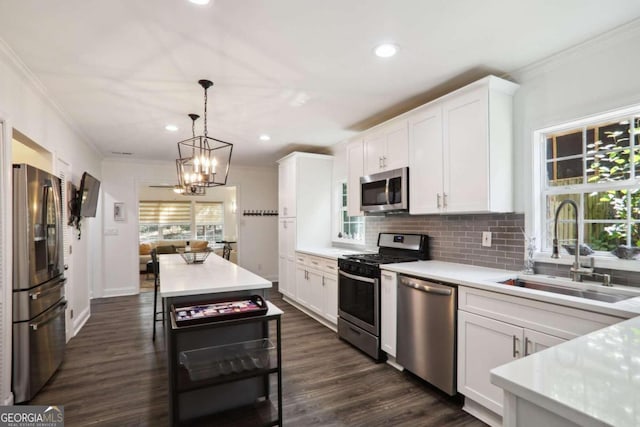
pixel 330 266
pixel 314 262
pixel 302 259
pixel 557 320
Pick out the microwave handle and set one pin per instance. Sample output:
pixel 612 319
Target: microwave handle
pixel 386 191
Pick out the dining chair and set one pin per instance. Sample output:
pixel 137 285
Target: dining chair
pixel 156 285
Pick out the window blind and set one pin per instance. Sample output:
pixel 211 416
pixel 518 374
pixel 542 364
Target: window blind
pixel 160 212
pixel 209 213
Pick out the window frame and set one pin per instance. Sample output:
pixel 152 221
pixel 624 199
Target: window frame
pixel 339 212
pixel 192 224
pixel 540 191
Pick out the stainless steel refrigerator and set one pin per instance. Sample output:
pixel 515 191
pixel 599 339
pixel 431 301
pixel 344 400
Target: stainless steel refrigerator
pixel 38 280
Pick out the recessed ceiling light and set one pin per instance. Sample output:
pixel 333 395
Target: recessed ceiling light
pixel 202 2
pixel 264 137
pixel 386 50
pixel 171 128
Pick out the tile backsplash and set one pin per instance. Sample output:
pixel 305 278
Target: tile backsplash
pixel 458 238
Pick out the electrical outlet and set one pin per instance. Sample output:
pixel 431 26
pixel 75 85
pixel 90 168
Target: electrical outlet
pixel 486 239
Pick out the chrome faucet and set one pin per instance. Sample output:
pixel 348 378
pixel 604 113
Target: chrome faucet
pixel 577 271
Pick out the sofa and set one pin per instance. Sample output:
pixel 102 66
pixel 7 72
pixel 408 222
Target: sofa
pixel 147 247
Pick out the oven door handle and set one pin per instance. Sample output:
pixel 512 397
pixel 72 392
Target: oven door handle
pixel 358 278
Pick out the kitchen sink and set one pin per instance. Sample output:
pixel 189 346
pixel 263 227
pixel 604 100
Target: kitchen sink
pixel 609 296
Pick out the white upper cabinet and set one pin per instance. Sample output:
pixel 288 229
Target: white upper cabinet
pixel 387 147
pixel 355 169
pixel 426 161
pixel 460 149
pixel 287 187
pixel 304 193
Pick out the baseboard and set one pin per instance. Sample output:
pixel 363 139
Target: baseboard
pixel 480 412
pixel 8 401
pixel 120 292
pixel 392 361
pixel 311 314
pixel 80 320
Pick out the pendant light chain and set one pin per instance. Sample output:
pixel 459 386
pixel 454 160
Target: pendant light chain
pixel 205 112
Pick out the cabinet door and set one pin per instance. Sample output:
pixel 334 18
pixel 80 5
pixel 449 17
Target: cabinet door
pixel 315 300
pixel 330 289
pixel 425 161
pixel 388 311
pixel 283 279
pixel 291 279
pixel 397 145
pixel 484 344
pixel 287 188
pixel 302 285
pixel 355 169
pixel 537 341
pixel 375 148
pixel 466 154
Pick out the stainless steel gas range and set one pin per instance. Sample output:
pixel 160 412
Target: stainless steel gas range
pixel 359 288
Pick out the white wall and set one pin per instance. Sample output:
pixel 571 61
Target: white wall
pixel 257 188
pixel 26 108
pixel 596 77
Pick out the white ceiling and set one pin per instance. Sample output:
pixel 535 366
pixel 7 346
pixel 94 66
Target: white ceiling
pixel 300 70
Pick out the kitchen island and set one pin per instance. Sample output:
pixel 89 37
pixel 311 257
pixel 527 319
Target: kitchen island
pixel 221 366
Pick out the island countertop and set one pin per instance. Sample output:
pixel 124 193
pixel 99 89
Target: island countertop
pixel 215 275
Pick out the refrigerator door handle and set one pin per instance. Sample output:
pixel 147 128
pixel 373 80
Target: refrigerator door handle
pixel 55 288
pixel 50 316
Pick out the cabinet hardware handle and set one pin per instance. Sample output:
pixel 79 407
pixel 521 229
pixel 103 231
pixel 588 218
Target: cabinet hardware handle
pixel 438 200
pixel 516 353
pixel 526 346
pixel 380 162
pixel 322 280
pixel 384 161
pixel 444 200
pixel 387 276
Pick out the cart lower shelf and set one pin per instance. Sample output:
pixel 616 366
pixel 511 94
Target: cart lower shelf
pixel 263 414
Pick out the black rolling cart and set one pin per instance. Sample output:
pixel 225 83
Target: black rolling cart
pixel 222 368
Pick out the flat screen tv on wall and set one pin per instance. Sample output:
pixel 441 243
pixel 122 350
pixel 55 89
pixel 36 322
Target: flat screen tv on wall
pixel 89 190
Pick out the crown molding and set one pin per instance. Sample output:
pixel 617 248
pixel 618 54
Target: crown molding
pixel 609 38
pixel 40 88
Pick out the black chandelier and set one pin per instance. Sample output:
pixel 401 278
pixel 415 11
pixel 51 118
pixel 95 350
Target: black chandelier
pixel 203 161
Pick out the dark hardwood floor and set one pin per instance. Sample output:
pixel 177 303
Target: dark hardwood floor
pixel 114 375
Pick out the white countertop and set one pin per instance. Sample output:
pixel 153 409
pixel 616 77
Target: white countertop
pixel 213 276
pixel 589 380
pixel 329 252
pixel 488 278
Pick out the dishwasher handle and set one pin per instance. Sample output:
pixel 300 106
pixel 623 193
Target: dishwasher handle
pixel 428 287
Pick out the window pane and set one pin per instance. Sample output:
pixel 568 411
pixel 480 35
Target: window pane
pixel 148 233
pixel 604 205
pixel 564 172
pixel 635 234
pixel 566 217
pixel 604 237
pixel 175 232
pixel 611 135
pixel 567 144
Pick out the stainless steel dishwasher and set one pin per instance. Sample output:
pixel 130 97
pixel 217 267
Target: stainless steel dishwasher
pixel 427 331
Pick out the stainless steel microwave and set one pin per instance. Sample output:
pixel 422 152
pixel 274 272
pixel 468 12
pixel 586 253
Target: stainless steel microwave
pixel 385 191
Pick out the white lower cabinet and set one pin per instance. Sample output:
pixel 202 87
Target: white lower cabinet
pixel 388 312
pixel 494 329
pixel 317 285
pixel 330 298
pixel 484 344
